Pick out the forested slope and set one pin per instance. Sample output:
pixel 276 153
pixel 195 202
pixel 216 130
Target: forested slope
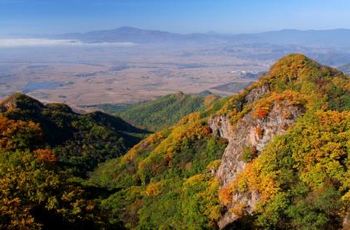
pixel 274 157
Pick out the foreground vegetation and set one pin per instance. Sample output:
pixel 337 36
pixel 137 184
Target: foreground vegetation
pixel 43 151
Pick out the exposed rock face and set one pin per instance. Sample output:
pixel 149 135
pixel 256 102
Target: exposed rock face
pixel 257 93
pixel 346 221
pixel 249 132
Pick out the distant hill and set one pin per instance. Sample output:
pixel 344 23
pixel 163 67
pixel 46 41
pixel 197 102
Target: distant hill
pixel 163 111
pixel 79 140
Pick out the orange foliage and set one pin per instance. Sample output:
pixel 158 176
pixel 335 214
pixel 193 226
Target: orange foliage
pixel 192 117
pixel 46 155
pixel 225 195
pixel 9 129
pixel 250 180
pixel 153 189
pixel 330 118
pixel 238 209
pixel 262 112
pixel 263 106
pixel 259 132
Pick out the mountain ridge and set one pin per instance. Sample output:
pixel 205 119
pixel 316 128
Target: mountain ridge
pixel 175 175
pixel 326 37
pixel 70 127
pixel 162 112
pixel 290 101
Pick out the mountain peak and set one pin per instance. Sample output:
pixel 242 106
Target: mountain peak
pixel 19 100
pixel 294 70
pixel 294 58
pixel 294 62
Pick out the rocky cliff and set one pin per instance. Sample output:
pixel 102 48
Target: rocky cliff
pixel 249 136
pixel 262 112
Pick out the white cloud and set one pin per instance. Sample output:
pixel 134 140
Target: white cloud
pixel 36 42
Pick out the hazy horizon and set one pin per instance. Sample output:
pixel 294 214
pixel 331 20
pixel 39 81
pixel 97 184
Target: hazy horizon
pixel 34 35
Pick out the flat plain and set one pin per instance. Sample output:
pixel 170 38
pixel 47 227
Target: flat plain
pixel 91 74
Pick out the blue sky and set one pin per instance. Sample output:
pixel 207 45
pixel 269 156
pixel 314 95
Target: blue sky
pixel 184 16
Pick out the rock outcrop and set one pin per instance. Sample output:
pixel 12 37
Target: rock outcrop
pixel 252 134
pixel 257 93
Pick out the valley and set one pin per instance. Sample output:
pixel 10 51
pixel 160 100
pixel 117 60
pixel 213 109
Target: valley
pixel 119 75
pixel 105 71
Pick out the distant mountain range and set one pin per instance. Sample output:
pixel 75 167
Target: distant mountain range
pixel 334 37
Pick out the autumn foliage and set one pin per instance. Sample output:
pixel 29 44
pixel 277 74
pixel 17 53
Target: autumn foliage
pixel 17 134
pixel 46 155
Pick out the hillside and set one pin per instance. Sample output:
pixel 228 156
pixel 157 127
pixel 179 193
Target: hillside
pixel 43 148
pixel 161 112
pixel 272 157
pixel 79 140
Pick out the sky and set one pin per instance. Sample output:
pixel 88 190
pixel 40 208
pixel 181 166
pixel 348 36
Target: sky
pixel 182 16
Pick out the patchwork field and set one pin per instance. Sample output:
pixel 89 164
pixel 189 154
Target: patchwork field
pixel 81 76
